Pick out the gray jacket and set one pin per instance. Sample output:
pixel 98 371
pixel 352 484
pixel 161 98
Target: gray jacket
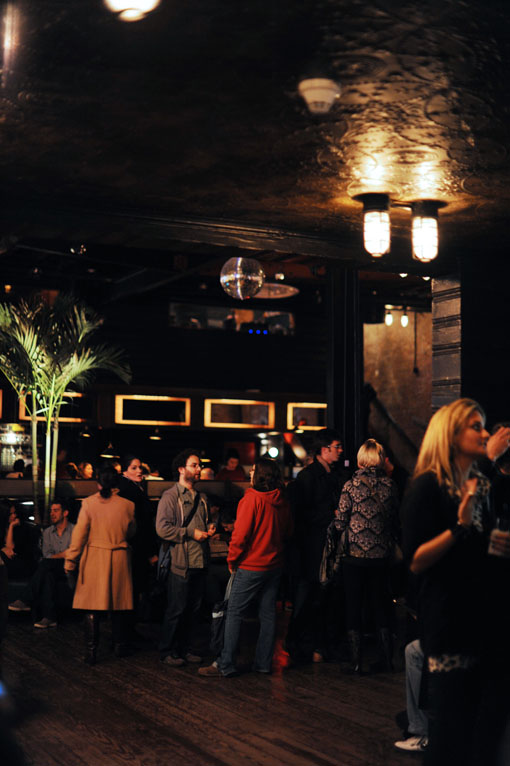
pixel 169 519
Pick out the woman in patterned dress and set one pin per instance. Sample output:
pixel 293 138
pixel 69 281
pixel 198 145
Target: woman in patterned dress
pixel 368 514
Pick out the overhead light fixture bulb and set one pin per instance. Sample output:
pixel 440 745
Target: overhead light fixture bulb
pixel 131 10
pixel 404 319
pixel 388 319
pixel 376 223
pixel 425 229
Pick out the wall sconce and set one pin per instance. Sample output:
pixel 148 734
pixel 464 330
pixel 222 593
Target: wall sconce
pixel 404 319
pixel 388 319
pixel 131 10
pixel 319 94
pixel 425 230
pixel 376 223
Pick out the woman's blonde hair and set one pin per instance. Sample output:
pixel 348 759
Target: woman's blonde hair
pixel 371 454
pixel 437 451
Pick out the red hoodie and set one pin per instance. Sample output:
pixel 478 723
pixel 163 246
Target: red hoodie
pixel 263 526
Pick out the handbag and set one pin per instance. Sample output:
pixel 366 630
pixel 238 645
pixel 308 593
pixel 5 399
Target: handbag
pixel 219 618
pixel 335 549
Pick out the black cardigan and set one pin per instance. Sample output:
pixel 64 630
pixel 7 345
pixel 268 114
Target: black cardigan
pixel 451 592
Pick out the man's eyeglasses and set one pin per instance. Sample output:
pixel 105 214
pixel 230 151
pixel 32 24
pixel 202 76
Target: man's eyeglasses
pixel 335 446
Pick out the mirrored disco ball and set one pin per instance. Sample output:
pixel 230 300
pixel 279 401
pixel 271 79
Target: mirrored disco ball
pixel 242 278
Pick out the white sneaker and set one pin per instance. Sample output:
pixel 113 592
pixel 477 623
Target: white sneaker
pixel 416 743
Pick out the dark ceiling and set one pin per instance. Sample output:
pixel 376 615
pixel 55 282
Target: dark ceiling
pixel 166 145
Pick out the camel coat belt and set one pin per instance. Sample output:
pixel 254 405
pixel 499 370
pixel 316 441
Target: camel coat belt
pixel 101 538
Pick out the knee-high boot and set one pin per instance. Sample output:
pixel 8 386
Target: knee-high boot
pixel 91 624
pixel 354 637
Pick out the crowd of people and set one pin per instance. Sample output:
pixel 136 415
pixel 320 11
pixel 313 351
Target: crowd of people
pixel 329 545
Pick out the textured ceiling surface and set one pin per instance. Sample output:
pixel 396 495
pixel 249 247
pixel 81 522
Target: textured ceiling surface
pixel 193 114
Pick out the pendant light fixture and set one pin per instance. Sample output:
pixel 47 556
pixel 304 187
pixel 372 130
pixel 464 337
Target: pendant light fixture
pixel 425 229
pixel 376 223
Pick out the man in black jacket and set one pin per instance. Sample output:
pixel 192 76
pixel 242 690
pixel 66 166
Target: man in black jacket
pixel 315 495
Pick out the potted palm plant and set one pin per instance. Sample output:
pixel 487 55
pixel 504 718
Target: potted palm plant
pixel 46 350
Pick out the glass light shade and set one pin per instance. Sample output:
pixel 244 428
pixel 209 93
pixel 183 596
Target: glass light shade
pixel 319 94
pixel 131 10
pixel 425 238
pixel 388 319
pixel 404 320
pixel 242 278
pixel 376 232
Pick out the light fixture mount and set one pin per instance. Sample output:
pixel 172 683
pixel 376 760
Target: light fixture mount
pixel 428 208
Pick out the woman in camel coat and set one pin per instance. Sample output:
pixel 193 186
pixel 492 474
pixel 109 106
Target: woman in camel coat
pixel 105 523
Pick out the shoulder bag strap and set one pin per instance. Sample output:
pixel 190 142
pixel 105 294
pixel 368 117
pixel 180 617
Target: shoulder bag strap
pixel 193 510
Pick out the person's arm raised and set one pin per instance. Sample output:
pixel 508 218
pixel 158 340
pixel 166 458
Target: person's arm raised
pixel 434 550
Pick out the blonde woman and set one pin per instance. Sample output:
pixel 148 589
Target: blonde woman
pixel 445 540
pixel 368 513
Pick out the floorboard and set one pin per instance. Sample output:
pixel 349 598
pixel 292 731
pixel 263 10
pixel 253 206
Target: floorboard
pixel 139 712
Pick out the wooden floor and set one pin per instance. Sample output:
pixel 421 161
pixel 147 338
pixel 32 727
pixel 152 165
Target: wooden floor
pixel 140 712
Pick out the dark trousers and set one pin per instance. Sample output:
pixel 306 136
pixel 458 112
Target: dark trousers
pixel 185 596
pixel 45 580
pixel 370 583
pixel 313 626
pixel 4 601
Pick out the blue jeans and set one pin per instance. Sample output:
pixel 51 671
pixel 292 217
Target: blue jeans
pixel 247 587
pixel 418 721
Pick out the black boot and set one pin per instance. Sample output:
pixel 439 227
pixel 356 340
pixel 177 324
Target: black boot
pixel 386 649
pixel 91 625
pixel 354 637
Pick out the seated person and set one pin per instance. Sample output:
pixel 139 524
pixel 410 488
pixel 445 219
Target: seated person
pixel 232 470
pixel 85 470
pixel 50 571
pixel 19 552
pixel 417 737
pixel 17 470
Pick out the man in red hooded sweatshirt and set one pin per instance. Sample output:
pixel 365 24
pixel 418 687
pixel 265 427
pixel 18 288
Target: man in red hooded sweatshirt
pixel 256 556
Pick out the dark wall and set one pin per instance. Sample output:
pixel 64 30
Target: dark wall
pixel 167 356
pixel 485 309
